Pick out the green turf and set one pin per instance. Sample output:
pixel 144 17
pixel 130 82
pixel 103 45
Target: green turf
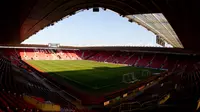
pixel 89 75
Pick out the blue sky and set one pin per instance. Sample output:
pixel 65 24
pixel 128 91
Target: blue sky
pixel 88 28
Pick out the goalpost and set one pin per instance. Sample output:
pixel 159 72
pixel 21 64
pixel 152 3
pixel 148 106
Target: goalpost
pixel 132 78
pixel 129 78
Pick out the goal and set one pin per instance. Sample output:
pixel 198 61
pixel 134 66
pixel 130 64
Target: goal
pixel 135 76
pixel 129 78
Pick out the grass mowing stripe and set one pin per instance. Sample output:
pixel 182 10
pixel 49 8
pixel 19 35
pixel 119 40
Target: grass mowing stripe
pixel 46 69
pixel 41 65
pixel 96 75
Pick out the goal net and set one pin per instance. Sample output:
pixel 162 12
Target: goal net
pixel 135 76
pixel 129 78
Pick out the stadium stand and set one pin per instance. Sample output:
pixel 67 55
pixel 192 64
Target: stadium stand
pixel 151 60
pixel 16 84
pixel 169 91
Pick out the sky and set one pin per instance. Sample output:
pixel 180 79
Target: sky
pixel 88 28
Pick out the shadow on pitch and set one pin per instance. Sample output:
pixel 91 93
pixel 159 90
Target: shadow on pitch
pixel 99 78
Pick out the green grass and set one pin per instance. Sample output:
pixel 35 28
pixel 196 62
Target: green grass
pixel 89 75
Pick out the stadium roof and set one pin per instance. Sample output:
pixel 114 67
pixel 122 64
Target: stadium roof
pixel 158 24
pixel 23 18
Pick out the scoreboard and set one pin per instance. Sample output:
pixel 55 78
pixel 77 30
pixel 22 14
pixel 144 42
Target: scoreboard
pixel 53 45
pixel 160 41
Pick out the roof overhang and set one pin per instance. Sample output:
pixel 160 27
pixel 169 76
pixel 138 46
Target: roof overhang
pixel 158 24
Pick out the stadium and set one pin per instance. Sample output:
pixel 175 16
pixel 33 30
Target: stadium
pixel 57 78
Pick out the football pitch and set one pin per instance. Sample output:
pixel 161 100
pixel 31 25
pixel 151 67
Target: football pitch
pixel 91 76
